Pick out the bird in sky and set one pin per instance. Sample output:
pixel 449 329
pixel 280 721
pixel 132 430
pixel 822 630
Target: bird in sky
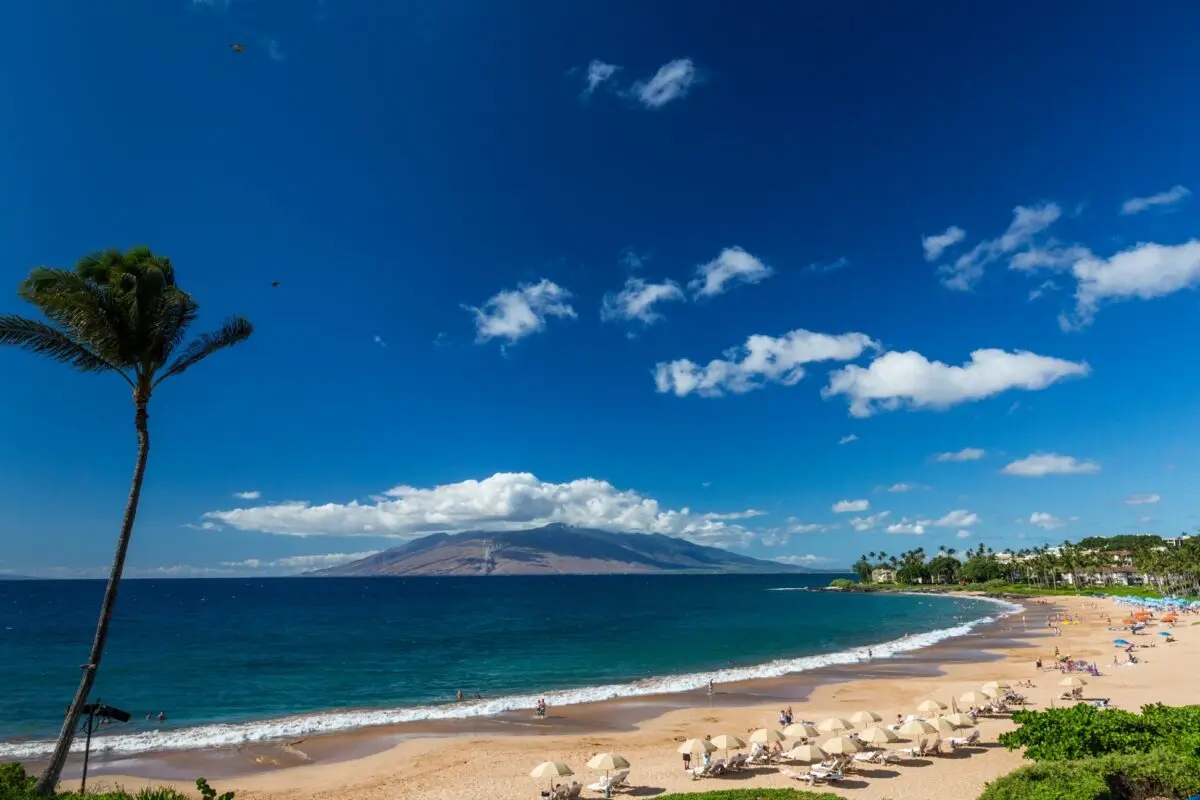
pixel 274 283
pixel 238 48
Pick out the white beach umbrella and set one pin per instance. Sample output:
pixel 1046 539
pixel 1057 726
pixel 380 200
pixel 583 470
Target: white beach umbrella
pixel 931 707
pixel 727 742
pixel 997 685
pixel 550 770
pixel 990 692
pixel 696 747
pixel 766 736
pixel 865 717
pixel 1072 682
pixel 800 730
pixel 840 745
pixel 961 720
pixel 944 726
pixel 608 762
pixel 916 727
pixel 973 698
pixel 835 724
pixel 877 735
pixel 806 753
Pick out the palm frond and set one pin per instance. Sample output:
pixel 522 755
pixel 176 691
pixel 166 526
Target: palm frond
pixel 235 330
pixel 76 303
pixel 40 338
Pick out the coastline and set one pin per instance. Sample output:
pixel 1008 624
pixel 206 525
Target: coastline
pixel 451 764
pixel 912 656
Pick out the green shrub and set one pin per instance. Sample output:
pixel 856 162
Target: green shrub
pixel 842 583
pixel 15 784
pixel 755 794
pixel 1159 773
pixel 1083 731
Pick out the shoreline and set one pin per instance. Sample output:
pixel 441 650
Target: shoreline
pixel 454 764
pixel 970 642
pixel 507 714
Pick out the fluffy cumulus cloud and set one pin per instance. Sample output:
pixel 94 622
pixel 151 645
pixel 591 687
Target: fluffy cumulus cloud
pixel 959 518
pixel 1027 223
pixel 1041 464
pixel 1144 272
pixel 1142 499
pixel 597 73
pixel 907 379
pixel 761 360
pixel 254 495
pixel 636 301
pixel 916 527
pixel 513 314
pixel 966 454
pixel 671 82
pixel 868 523
pixel 847 506
pixel 808 560
pixel 504 501
pixel 1136 205
pixel 848 438
pixel 733 265
pixel 939 243
pixel 794 525
pixel 955 519
pixel 1046 521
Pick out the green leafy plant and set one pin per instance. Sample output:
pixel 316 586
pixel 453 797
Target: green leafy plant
pixel 841 583
pixel 1159 773
pixel 757 794
pixel 209 793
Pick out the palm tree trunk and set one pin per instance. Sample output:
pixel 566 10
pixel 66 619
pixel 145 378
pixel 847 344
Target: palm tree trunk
pixel 49 780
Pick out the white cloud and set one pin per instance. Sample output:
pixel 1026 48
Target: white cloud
pixel 963 535
pixel 1142 499
pixel 379 340
pixel 907 379
pixel 1042 289
pixel 794 525
pixel 1039 464
pixel 504 501
pixel 938 243
pixel 901 487
pixel 247 495
pixel 275 50
pixel 300 563
pixel 1046 521
pixel 1052 256
pixel 636 301
pixel 732 265
pixel 844 506
pixel 514 314
pixel 959 518
pixel 862 524
pixel 1145 271
pixel 1170 197
pixel 1026 223
pixel 847 439
pixel 671 82
pixel 761 360
pixel 207 525
pixel 801 561
pixel 841 262
pixel 597 73
pixel 915 527
pixel 966 454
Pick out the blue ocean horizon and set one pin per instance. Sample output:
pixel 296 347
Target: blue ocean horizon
pixel 238 660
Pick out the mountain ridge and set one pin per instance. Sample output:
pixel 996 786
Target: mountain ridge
pixel 554 549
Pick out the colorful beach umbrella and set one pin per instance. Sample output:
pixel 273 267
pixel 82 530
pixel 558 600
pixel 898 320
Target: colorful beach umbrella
pixel 1164 633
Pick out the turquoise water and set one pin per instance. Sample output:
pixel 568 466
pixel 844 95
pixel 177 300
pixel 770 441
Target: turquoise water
pixel 241 660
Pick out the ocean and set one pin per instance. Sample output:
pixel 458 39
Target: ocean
pixel 241 660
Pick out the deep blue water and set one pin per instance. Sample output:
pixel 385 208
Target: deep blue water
pixel 247 652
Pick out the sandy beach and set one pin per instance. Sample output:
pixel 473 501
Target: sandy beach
pixel 444 764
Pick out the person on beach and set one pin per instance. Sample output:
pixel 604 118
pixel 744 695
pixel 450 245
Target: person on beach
pixel 162 716
pixel 687 761
pixel 710 686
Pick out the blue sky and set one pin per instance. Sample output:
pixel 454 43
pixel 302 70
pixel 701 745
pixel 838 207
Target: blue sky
pixel 640 267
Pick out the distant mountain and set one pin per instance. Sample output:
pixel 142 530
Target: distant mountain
pixel 553 549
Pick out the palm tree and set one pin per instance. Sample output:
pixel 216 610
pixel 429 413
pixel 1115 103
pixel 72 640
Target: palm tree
pixel 121 313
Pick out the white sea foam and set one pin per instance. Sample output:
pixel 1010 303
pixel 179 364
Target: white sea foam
pixel 207 736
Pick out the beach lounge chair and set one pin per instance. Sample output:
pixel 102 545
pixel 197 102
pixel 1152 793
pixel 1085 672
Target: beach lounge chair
pixel 574 790
pixel 710 770
pixel 620 780
pixel 805 777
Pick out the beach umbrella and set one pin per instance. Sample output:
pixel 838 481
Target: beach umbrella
pixel 931 707
pixel 944 726
pixel 840 745
pixel 865 717
pixel 961 720
pixel 766 736
pixel 800 730
pixel 1121 642
pixel 973 698
pixel 997 685
pixel 550 770
pixel 917 727
pixel 877 735
pixel 835 724
pixel 1164 633
pixel 806 753
pixel 1072 682
pixel 608 762
pixel 727 742
pixel 696 747
pixel 991 693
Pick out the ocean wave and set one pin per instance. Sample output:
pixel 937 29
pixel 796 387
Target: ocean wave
pixel 208 736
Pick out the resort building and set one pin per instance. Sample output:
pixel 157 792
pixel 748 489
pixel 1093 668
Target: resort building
pixel 883 575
